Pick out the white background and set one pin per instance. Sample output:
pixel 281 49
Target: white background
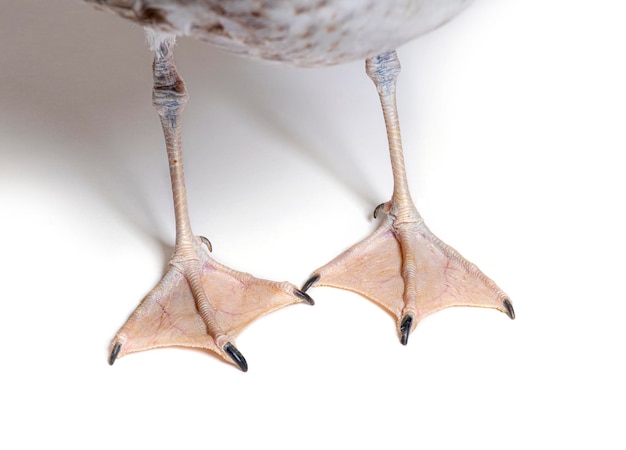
pixel 514 119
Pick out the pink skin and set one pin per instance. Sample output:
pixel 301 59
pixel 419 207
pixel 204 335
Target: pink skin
pixel 403 266
pixel 198 302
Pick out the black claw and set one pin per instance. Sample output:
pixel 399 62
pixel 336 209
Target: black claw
pixel 116 351
pixel 377 209
pixel 304 296
pixel 310 282
pixel 206 242
pixel 236 356
pixel 405 329
pixel 509 308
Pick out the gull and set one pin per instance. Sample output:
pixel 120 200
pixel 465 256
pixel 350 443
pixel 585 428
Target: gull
pixel 402 266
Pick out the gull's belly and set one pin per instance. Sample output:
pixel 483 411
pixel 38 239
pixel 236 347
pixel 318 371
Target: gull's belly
pixel 298 32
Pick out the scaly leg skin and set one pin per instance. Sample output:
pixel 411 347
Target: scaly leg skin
pixel 403 266
pixel 198 302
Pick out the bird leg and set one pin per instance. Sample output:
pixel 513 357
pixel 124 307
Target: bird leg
pixel 403 266
pixel 198 302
